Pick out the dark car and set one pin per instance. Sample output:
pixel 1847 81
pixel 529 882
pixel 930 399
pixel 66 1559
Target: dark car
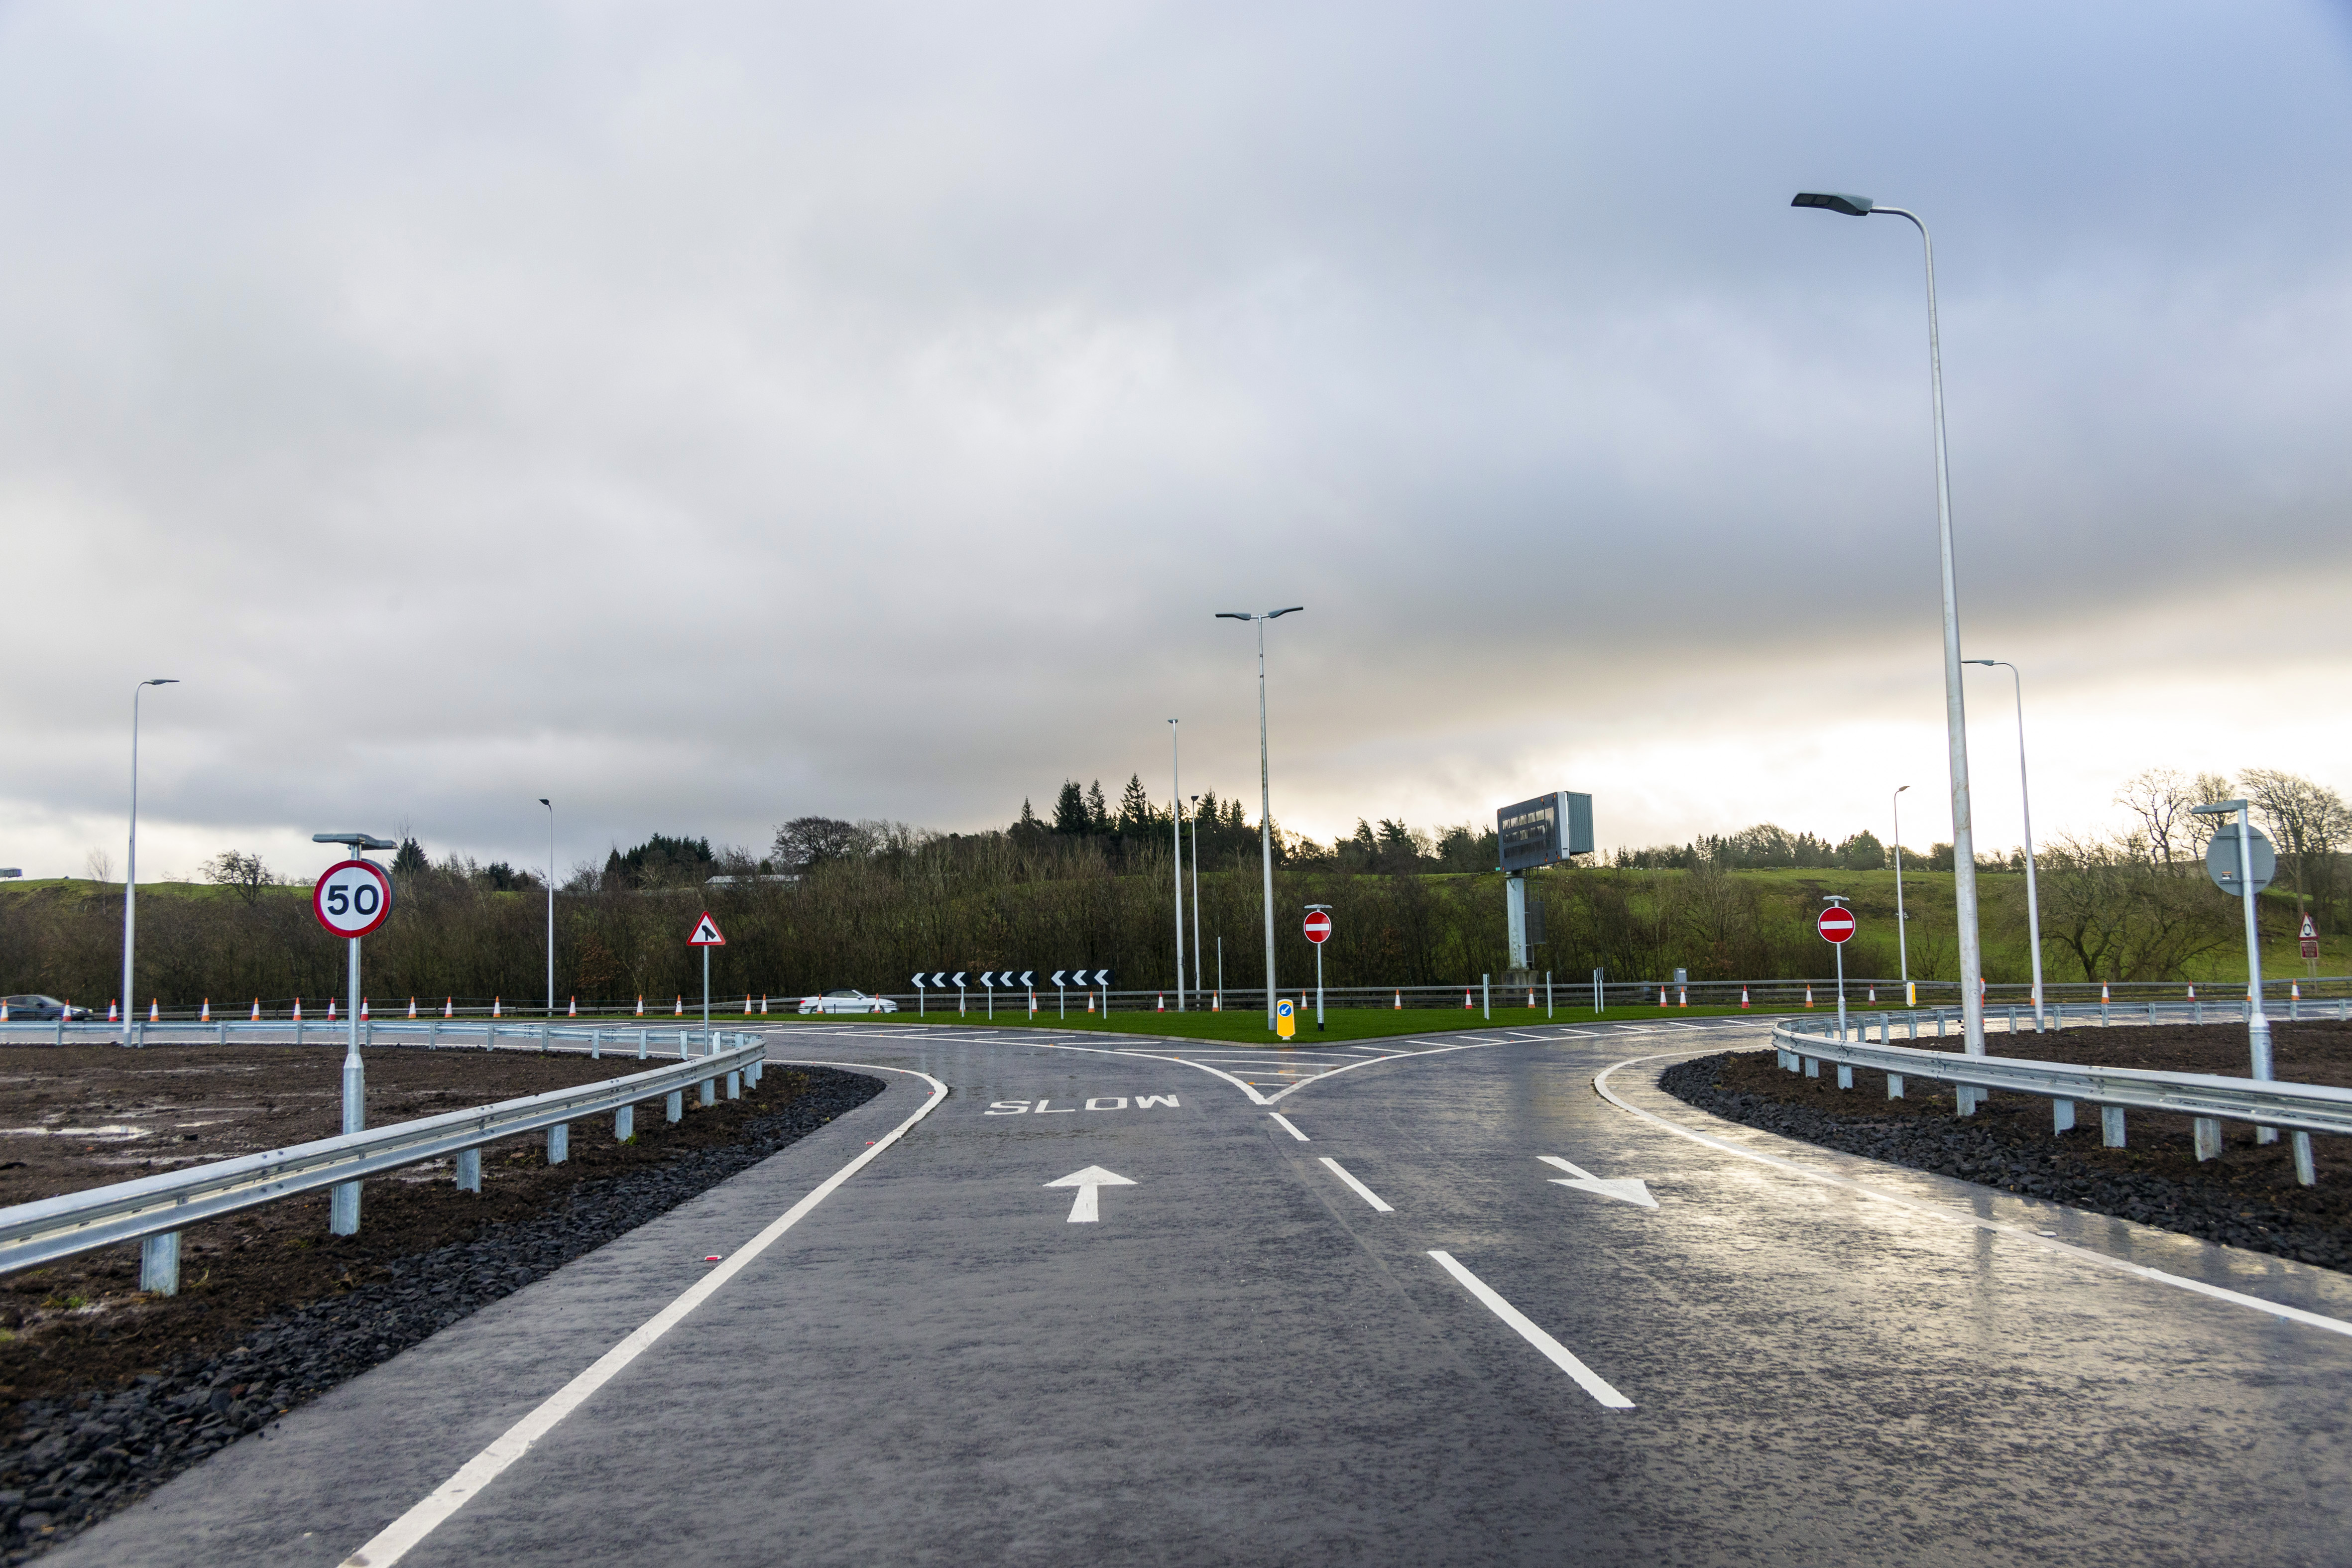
pixel 25 1009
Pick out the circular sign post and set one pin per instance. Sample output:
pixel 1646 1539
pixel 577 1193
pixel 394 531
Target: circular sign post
pixel 1836 926
pixel 351 899
pixel 1318 932
pixel 2242 863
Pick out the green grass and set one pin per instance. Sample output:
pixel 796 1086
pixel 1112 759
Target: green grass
pixel 1249 1028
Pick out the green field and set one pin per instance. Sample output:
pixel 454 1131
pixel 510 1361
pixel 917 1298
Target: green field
pixel 1249 1028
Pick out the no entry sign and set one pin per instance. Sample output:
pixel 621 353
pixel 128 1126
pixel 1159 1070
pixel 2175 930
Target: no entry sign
pixel 1318 927
pixel 1835 925
pixel 352 898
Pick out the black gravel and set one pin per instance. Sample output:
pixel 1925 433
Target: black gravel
pixel 2047 1167
pixel 74 1461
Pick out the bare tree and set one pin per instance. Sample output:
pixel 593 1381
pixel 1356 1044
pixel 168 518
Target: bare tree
pixel 2307 819
pixel 2161 798
pixel 244 873
pixel 100 865
pixel 2124 915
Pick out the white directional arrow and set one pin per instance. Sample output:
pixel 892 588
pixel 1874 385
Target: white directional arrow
pixel 1057 975
pixel 1627 1189
pixel 1090 1182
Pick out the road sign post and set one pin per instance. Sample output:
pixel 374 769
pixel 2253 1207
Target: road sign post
pixel 706 937
pixel 2242 862
pixel 2310 943
pixel 1318 932
pixel 1836 926
pixel 351 898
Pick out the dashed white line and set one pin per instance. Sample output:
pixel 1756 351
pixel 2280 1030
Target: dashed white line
pixel 1284 1122
pixel 1591 1382
pixel 1360 1190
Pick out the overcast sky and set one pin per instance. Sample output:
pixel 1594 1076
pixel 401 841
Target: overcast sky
pixel 710 415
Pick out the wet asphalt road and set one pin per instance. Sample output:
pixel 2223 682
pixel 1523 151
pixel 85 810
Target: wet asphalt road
pixel 1253 1355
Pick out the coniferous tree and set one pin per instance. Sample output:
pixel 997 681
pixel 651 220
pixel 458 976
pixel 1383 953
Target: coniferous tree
pixel 1134 808
pixel 1070 814
pixel 1097 809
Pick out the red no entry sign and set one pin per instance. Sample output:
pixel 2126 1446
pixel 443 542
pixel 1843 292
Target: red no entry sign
pixel 1318 927
pixel 1835 924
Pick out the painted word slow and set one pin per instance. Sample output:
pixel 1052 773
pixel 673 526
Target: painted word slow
pixel 1099 1102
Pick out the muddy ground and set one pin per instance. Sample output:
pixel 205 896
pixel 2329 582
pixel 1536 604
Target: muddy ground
pixel 2246 1197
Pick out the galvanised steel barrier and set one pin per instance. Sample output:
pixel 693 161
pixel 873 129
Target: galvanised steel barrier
pixel 2301 1108
pixel 433 1033
pixel 153 1210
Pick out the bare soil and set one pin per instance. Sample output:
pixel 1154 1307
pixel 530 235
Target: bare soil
pixel 2248 1197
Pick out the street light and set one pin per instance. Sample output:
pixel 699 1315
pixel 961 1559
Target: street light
pixel 1964 857
pixel 1902 933
pixel 550 906
pixel 130 871
pixel 1196 895
pixel 1176 826
pixel 1266 789
pixel 2025 797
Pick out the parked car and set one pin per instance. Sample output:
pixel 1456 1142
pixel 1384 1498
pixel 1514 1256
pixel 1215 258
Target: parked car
pixel 25 1009
pixel 847 1002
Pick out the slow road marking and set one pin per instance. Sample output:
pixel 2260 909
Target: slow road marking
pixel 1591 1382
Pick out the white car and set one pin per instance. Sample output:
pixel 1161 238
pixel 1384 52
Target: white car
pixel 847 1002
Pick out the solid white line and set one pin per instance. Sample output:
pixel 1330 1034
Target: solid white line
pixel 1361 1190
pixel 1591 1382
pixel 396 1539
pixel 2018 1233
pixel 1284 1122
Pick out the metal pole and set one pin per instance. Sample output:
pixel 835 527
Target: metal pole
pixel 1176 824
pixel 130 868
pixel 1318 985
pixel 706 999
pixel 1196 895
pixel 344 1204
pixel 2025 798
pixel 1266 824
pixel 550 908
pixel 1838 949
pixel 2258 1025
pixel 1902 926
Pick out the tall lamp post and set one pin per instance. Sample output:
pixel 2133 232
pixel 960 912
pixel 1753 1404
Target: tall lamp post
pixel 2025 799
pixel 1902 933
pixel 1964 857
pixel 1196 895
pixel 1264 788
pixel 130 870
pixel 1176 825
pixel 551 907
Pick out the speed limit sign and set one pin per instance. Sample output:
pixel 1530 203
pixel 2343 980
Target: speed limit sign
pixel 352 899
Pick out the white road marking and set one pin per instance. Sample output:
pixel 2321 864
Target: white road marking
pixel 396 1539
pixel 1591 1382
pixel 1283 1121
pixel 1360 1190
pixel 1629 1189
pixel 2084 1254
pixel 1090 1182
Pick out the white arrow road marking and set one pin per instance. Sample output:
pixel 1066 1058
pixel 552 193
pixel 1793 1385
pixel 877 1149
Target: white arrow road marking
pixel 1562 1356
pixel 1360 1190
pixel 1090 1182
pixel 1284 1122
pixel 1628 1189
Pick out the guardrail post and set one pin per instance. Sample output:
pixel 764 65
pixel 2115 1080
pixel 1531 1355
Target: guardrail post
pixel 1968 1099
pixel 1894 1085
pixel 469 1170
pixel 682 1041
pixel 546 1038
pixel 2304 1172
pixel 2207 1133
pixel 625 1124
pixel 641 1034
pixel 678 1105
pixel 159 1264
pixel 2197 1011
pixel 2103 1014
pixel 710 1092
pixel 2061 1116
pixel 1812 1066
pixel 735 1085
pixel 224 1032
pixel 1845 1074
pixel 595 1045
pixel 559 1142
pixel 2111 1126
pixel 2013 1018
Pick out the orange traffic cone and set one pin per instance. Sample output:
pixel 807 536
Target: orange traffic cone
pixel 1809 996
pixel 154 1011
pixel 1743 997
pixel 1217 1002
pixel 2192 997
pixel 448 1007
pixel 1032 1003
pixel 412 1006
pixel 257 1009
pixel 2103 993
pixel 1163 1001
pixel 1661 995
pixel 207 1016
pixel 298 1009
pixel 1874 993
pixel 571 1007
pixel 110 1011
pixel 1400 1001
pixel 763 1004
pixel 747 1003
pixel 2295 991
pixel 1090 1001
pixel 1465 999
pixel 495 1005
pixel 641 1004
pixel 364 1007
pixel 331 1009
pixel 1531 997
pixel 678 1011
pixel 1682 996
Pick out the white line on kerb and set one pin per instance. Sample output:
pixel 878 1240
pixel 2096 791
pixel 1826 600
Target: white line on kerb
pixel 2001 1227
pixel 1591 1382
pixel 1360 1190
pixel 1283 1121
pixel 396 1539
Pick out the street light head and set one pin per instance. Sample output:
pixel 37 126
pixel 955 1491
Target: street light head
pixel 1276 614
pixel 356 841
pixel 547 803
pixel 2219 808
pixel 1231 616
pixel 160 683
pixel 1900 788
pixel 1830 201
pixel 1988 663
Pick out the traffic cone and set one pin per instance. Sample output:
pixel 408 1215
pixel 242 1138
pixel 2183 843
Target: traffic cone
pixel 1163 1001
pixel 2192 992
pixel 1682 997
pixel 2295 991
pixel 1400 1001
pixel 257 1009
pixel 1090 1001
pixel 110 1011
pixel 494 1007
pixel 364 1007
pixel 763 1004
pixel 331 1009
pixel 298 1009
pixel 448 1007
pixel 1216 1001
pixel 412 1006
pixel 747 1003
pixel 1531 996
pixel 678 1011
pixel 571 1007
pixel 1465 999
pixel 1032 1002
pixel 1662 996
pixel 207 1016
pixel 1743 997
pixel 641 1004
pixel 1809 996
pixel 1874 993
pixel 154 1011
pixel 2103 993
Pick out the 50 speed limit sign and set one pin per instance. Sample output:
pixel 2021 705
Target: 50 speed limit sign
pixel 352 898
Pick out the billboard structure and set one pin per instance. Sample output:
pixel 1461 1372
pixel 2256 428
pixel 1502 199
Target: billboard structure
pixel 1529 834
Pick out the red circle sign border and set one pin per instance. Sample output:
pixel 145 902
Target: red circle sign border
pixel 1318 927
pixel 319 887
pixel 1840 917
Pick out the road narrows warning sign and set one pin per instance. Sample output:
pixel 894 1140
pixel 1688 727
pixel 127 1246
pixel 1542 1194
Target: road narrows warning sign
pixel 706 934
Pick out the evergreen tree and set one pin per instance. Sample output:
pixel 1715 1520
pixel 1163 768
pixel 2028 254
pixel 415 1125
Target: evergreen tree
pixel 1070 814
pixel 1097 809
pixel 1134 808
pixel 411 859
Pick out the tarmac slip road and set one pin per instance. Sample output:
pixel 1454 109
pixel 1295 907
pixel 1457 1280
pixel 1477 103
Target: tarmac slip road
pixel 1434 1301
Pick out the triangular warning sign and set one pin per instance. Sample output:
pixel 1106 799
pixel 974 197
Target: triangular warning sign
pixel 2309 930
pixel 706 934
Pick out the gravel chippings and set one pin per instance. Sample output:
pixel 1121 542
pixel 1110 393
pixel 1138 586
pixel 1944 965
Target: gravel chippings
pixel 74 1461
pixel 2248 1201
